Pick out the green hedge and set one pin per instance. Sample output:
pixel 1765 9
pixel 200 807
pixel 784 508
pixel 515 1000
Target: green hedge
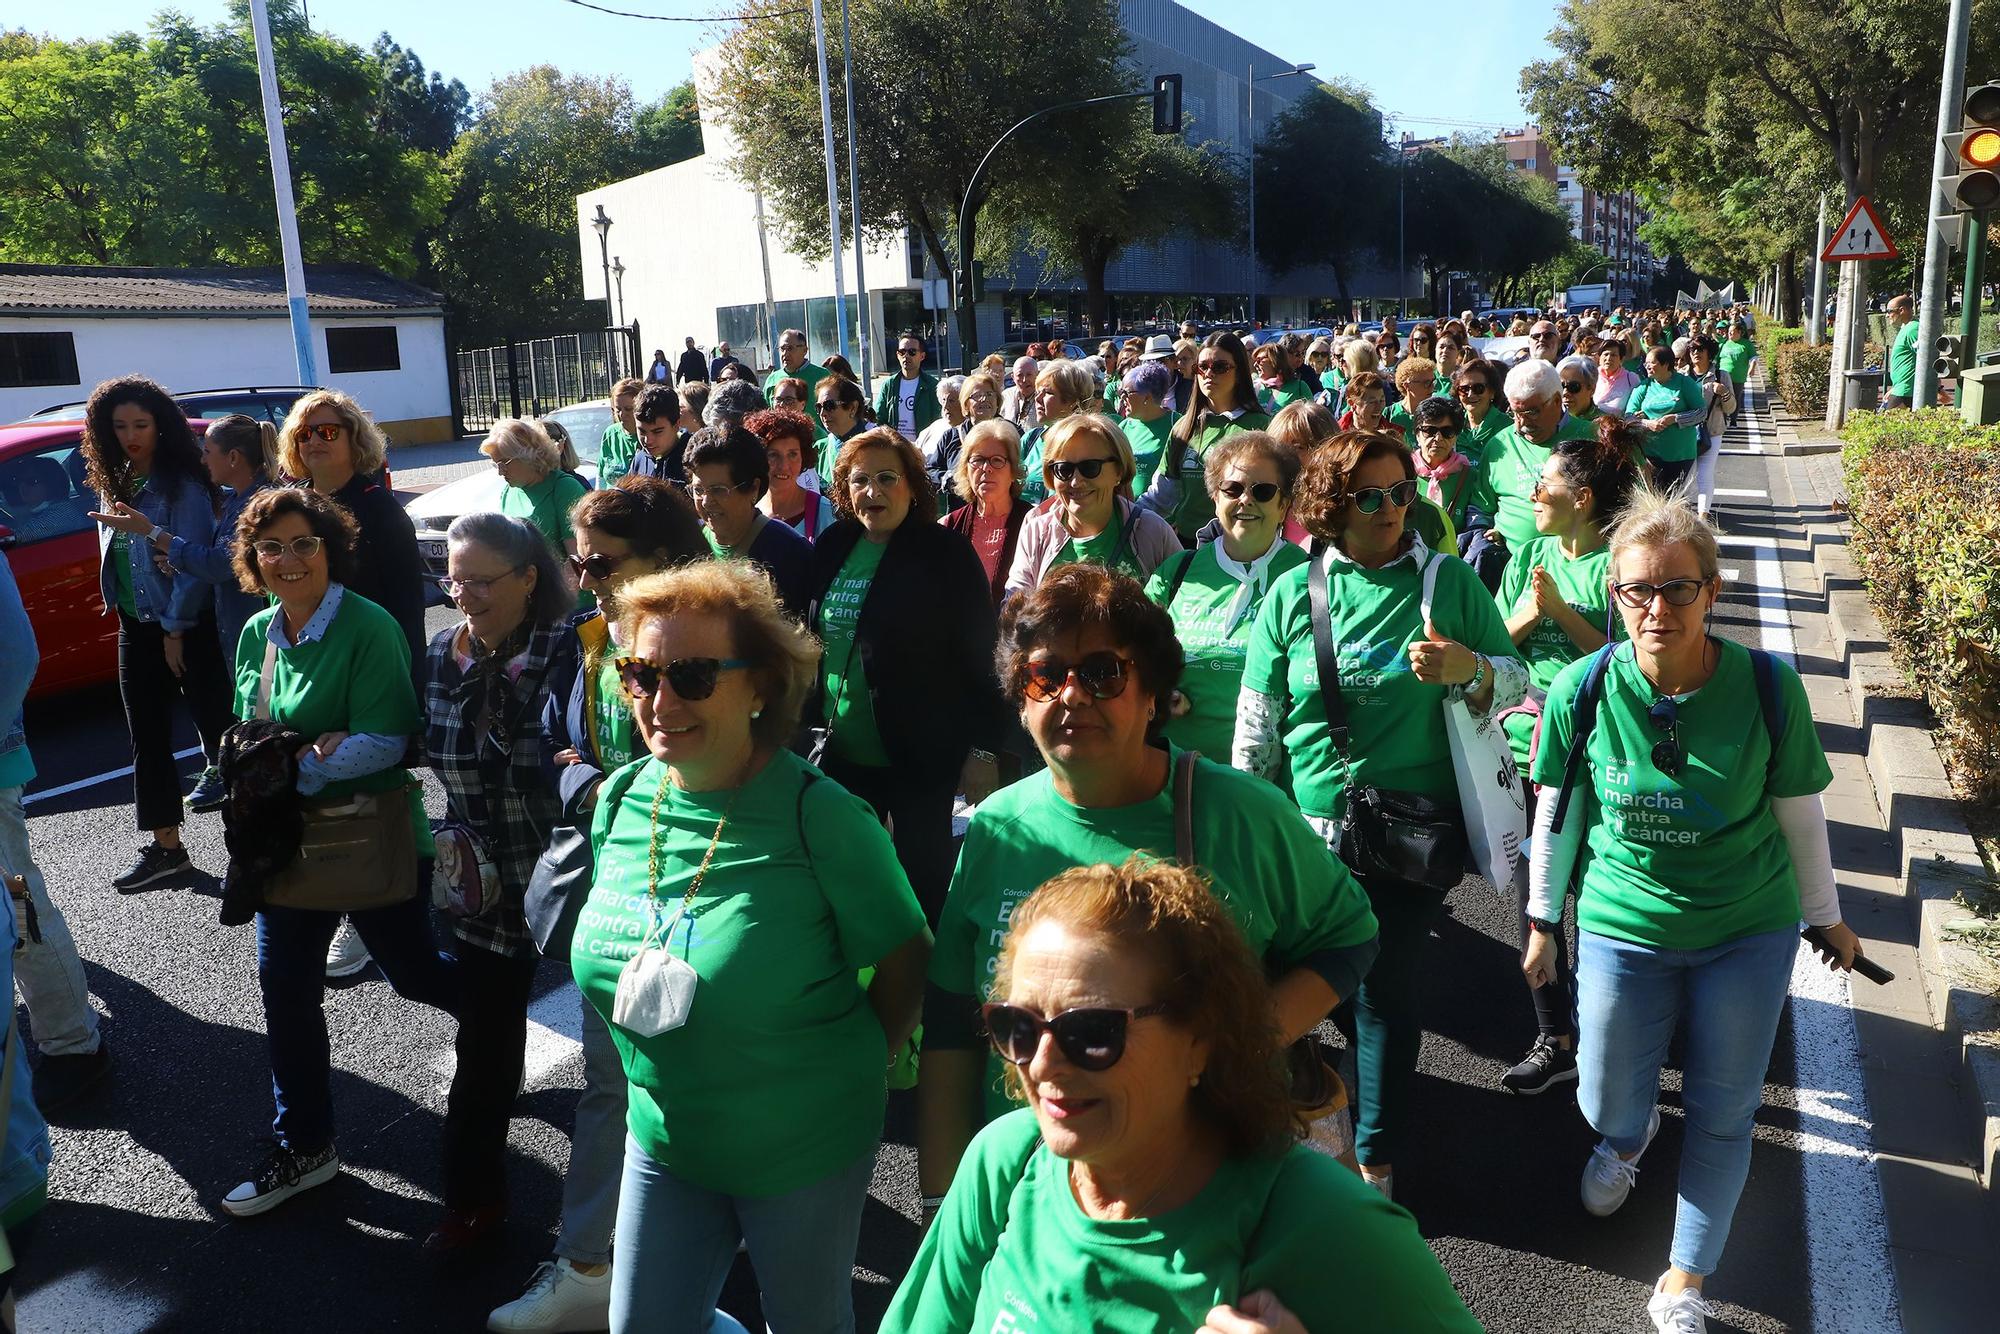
pixel 1924 496
pixel 1800 373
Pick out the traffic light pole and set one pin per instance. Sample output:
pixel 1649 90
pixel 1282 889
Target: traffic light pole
pixel 1975 263
pixel 1937 257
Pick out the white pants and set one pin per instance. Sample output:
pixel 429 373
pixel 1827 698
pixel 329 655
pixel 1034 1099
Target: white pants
pixel 48 972
pixel 1704 478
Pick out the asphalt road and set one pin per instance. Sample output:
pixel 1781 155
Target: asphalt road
pixel 131 1239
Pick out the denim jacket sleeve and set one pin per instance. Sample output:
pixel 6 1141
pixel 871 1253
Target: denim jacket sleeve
pixel 190 516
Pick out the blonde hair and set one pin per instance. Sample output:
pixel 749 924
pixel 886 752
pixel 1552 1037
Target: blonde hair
pixel 370 446
pixel 1009 436
pixel 1070 379
pixel 1654 519
pixel 1360 355
pixel 783 655
pixel 1108 432
pixel 992 364
pixel 982 380
pixel 522 439
pixel 1409 368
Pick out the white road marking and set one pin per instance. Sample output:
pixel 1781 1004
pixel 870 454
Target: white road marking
pixel 555 1032
pixel 1736 494
pixel 95 779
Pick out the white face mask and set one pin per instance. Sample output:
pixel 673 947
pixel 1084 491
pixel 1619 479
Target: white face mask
pixel 655 988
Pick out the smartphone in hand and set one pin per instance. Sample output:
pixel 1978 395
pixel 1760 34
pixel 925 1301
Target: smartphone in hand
pixel 1863 965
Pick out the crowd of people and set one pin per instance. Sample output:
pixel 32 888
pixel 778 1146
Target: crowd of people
pixel 1181 622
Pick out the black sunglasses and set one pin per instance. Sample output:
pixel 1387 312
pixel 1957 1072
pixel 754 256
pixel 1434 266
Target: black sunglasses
pixel 829 404
pixel 1668 757
pixel 1091 1039
pixel 1369 499
pixel 1102 674
pixel 1474 387
pixel 597 565
pixel 1677 592
pixel 1066 471
pixel 1572 386
pixel 692 678
pixel 1261 492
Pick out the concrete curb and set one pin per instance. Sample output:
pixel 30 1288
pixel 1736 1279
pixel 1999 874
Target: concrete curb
pixel 1787 426
pixel 1936 851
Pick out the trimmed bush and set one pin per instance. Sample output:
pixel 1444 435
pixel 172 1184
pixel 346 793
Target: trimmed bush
pixel 1924 495
pixel 1801 373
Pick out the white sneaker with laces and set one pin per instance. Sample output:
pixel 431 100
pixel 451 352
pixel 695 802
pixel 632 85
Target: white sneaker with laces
pixel 348 954
pixel 1608 1179
pixel 1683 1312
pixel 559 1300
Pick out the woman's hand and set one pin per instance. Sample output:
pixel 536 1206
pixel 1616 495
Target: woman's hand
pixel 566 757
pixel 174 649
pixel 1260 1313
pixel 1538 960
pixel 1179 705
pixel 124 519
pixel 1547 596
pixel 328 743
pixel 1439 661
pixel 1845 944
pixel 978 779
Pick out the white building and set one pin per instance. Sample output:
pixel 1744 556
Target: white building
pixel 65 328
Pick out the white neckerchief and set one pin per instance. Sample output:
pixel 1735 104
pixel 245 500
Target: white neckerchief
pixel 1418 555
pixel 1254 579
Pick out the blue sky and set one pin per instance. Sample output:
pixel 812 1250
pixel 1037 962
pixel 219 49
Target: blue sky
pixel 1458 68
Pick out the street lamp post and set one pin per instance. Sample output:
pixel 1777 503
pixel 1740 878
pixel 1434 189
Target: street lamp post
pixel 1250 94
pixel 601 224
pixel 618 273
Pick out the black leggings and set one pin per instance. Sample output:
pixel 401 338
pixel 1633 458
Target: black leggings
pixel 1555 1009
pixel 148 689
pixel 920 824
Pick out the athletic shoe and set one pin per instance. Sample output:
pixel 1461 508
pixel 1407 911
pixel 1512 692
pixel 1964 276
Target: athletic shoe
pixel 1545 1065
pixel 279 1177
pixel 1685 1312
pixel 61 1080
pixel 209 793
pixel 348 954
pixel 155 863
pixel 559 1300
pixel 1608 1178
pixel 1386 1183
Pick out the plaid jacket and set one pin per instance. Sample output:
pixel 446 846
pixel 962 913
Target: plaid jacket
pixel 499 790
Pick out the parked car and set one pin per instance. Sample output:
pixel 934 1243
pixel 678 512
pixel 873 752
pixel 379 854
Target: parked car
pixel 479 492
pixel 51 543
pixel 271 403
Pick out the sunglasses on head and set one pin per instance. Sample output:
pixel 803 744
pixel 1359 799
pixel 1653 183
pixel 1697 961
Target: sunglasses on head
pixel 1261 492
pixel 327 431
pixel 1102 675
pixel 692 678
pixel 1089 1039
pixel 1370 499
pixel 1664 715
pixel 1677 592
pixel 1067 471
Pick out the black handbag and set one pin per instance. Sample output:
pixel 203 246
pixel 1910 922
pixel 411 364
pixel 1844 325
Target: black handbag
pixel 1383 832
pixel 557 890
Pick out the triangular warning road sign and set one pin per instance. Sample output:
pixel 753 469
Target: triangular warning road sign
pixel 1859 236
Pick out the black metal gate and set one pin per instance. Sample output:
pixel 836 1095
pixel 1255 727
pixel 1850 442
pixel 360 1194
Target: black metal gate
pixel 533 376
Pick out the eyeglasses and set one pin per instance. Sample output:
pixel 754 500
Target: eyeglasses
pixel 326 431
pixel 1677 592
pixel 693 679
pixel 1572 386
pixel 1090 1039
pixel 1433 432
pixel 1369 499
pixel 984 461
pixel 881 481
pixel 788 398
pixel 500 461
pixel 720 493
pixel 479 588
pixel 1261 492
pixel 271 552
pixel 1430 380
pixel 1475 388
pixel 831 405
pixel 1668 757
pixel 1101 674
pixel 1222 366
pixel 1066 470
pixel 597 565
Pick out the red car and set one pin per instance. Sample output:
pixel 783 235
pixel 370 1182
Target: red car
pixel 51 543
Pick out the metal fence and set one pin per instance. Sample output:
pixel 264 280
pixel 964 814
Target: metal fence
pixel 537 375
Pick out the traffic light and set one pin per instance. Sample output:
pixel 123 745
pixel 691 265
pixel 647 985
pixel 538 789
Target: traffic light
pixel 1950 356
pixel 1974 185
pixel 1166 104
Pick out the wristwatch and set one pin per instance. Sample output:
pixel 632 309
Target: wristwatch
pixel 983 756
pixel 1537 925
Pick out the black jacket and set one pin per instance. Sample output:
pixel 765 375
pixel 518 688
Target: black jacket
pixel 961 520
pixel 388 569
pixel 694 366
pixel 925 636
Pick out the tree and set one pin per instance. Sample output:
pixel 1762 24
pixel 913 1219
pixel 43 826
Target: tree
pixel 668 130
pixel 936 83
pixel 1465 209
pixel 1324 156
pixel 424 112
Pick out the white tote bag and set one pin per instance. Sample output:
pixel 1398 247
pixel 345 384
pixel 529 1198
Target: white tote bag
pixel 1489 782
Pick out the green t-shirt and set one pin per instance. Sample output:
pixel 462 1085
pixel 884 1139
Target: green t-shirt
pixel 1033 489
pixel 1902 361
pixel 1285 890
pixel 1149 443
pixel 1465 489
pixel 546 505
pixel 811 373
pixel 616 449
pixel 1653 400
pixel 1213 620
pixel 849 710
pixel 1395 722
pixel 1111 548
pixel 120 556
pixel 777 1079
pixel 1474 440
pixel 1290 392
pixel 1548 648
pixel 1196 508
pixel 1685 863
pixel 1013 1253
pixel 1734 357
pixel 611 717
pixel 1401 417
pixel 1513 465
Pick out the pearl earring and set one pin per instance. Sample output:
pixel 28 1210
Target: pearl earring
pixel 756 714
pixel 1194 1081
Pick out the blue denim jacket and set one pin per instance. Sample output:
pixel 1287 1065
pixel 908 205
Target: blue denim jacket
pixel 176 601
pixel 213 562
pixel 18 658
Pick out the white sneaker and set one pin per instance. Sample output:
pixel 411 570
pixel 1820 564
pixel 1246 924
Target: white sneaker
pixel 348 954
pixel 1685 1312
pixel 1608 1179
pixel 559 1300
pixel 1384 1182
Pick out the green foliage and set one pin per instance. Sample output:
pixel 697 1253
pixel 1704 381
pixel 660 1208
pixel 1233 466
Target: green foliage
pixel 1324 157
pixel 1466 209
pixel 1924 496
pixel 1801 372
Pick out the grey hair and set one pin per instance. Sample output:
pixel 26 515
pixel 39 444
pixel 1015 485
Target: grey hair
pixel 1149 377
pixel 522 439
pixel 950 384
pixel 1583 366
pixel 799 334
pixel 521 545
pixel 1654 519
pixel 731 402
pixel 1533 381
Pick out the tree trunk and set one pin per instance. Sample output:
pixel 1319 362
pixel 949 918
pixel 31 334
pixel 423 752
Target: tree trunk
pixel 1340 285
pixel 1096 303
pixel 1788 288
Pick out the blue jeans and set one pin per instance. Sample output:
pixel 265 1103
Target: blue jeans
pixel 1629 999
pixel 596 1149
pixel 291 973
pixel 676 1243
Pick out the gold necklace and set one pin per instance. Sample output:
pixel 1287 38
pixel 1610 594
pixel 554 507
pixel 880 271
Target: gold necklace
pixel 653 846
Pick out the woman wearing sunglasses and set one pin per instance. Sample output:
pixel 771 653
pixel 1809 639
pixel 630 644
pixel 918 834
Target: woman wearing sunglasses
pixel 1578 376
pixel 1091 664
pixel 339 675
pixel 1061 388
pixel 1394 667
pixel 1223 402
pixel 1213 592
pixel 738 895
pixel 1087 467
pixel 1476 387
pixel 1706 846
pixel 907 697
pixel 843 411
pixel 1155 1180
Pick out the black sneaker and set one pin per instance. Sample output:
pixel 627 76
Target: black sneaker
pixel 209 793
pixel 61 1080
pixel 155 863
pixel 1545 1064
pixel 279 1177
